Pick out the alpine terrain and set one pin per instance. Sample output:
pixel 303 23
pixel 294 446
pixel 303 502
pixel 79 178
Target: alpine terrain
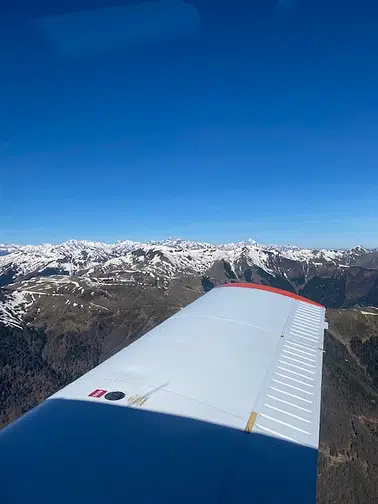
pixel 65 308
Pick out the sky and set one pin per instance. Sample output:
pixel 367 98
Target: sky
pixel 208 120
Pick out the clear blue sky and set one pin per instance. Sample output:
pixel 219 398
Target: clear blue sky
pixel 212 120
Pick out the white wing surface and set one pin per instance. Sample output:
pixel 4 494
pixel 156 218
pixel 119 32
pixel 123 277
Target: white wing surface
pixel 220 403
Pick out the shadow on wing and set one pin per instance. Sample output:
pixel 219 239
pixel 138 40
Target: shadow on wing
pixel 68 451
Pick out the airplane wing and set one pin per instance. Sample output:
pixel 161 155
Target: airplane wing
pixel 218 404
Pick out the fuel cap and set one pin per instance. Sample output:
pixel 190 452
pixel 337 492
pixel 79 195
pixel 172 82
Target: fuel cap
pixel 115 396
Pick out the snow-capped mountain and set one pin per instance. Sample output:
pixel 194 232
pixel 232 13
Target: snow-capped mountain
pixel 167 257
pixel 71 257
pixel 84 275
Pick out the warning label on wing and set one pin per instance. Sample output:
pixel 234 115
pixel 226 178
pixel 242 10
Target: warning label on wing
pixel 97 393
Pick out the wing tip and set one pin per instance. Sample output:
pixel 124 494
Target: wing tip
pixel 267 288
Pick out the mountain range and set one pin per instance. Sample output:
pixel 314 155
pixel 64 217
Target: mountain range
pixel 336 278
pixel 78 257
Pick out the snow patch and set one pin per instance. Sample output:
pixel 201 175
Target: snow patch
pixel 13 308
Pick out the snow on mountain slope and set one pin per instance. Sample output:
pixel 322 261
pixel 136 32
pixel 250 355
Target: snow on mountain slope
pixel 68 258
pixel 13 306
pixel 71 273
pixel 165 260
pixel 167 257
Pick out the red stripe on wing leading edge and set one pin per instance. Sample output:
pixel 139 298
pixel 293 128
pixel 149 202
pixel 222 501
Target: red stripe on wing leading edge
pixel 272 289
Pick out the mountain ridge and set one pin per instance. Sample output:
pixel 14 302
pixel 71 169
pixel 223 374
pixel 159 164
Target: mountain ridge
pixel 77 256
pixel 72 272
pixel 170 241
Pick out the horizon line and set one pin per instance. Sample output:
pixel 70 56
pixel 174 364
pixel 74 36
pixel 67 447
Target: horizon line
pixel 248 241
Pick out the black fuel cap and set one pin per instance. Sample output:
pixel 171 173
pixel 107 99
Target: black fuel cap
pixel 115 396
